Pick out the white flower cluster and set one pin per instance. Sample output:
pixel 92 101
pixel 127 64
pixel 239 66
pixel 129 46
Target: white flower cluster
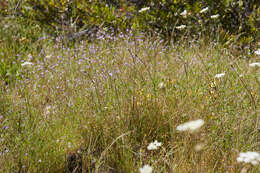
pixel 257 52
pixel 255 64
pixel 249 157
pixel 204 10
pixel 220 75
pixel 146 169
pixel 26 64
pixel 181 27
pixel 184 13
pixel 154 145
pixel 161 85
pixel 144 9
pixel 214 16
pixel 191 125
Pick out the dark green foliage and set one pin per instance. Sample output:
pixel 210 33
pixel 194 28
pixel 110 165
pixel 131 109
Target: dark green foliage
pixel 238 19
pixel 235 16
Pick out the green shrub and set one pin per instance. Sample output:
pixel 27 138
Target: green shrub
pixel 225 16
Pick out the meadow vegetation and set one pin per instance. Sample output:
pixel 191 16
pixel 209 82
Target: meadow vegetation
pixel 116 103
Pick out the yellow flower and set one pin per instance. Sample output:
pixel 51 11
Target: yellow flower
pixel 189 92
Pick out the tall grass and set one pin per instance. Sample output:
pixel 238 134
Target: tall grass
pixel 96 106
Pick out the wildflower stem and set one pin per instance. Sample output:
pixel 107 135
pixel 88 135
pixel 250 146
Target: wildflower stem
pixel 245 87
pixel 104 152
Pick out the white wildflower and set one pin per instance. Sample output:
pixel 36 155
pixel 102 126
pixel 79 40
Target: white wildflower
pixel 144 9
pixel 257 51
pixel 48 56
pixel 47 110
pixel 214 16
pixel 154 145
pixel 161 85
pixel 69 144
pixel 204 10
pixel 255 64
pixel 184 13
pixel 220 75
pixel 249 157
pixel 199 147
pixel 180 27
pixel 146 169
pixel 26 64
pixel 191 125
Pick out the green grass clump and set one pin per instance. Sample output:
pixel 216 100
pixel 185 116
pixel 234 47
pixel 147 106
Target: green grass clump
pixel 96 106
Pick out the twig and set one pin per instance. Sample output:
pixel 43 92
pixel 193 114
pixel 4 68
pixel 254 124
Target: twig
pixel 104 152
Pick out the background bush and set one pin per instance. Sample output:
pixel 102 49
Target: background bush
pixel 237 18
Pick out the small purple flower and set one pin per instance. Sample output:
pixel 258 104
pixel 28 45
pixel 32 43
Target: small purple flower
pixel 132 43
pixel 44 36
